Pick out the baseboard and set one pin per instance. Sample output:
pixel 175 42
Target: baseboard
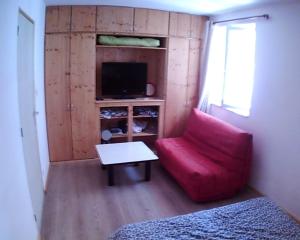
pixel 73 161
pixel 47 178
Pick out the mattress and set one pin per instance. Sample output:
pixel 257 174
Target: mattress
pixel 257 218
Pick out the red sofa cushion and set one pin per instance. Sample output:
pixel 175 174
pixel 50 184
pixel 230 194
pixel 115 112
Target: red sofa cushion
pixel 218 140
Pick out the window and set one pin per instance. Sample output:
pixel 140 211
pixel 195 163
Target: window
pixel 231 66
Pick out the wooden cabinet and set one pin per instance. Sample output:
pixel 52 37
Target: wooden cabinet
pixel 176 93
pixel 197 26
pixel 70 96
pixel 58 19
pixel 83 19
pixel 84 114
pixel 72 60
pixel 115 19
pixel 193 74
pixel 153 22
pixel 186 25
pixel 57 83
pixel 154 127
pixel 180 24
pixel 182 83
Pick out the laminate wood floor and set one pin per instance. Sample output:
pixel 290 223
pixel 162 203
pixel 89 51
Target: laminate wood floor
pixel 80 206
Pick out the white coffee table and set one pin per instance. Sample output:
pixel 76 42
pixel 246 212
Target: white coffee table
pixel 123 153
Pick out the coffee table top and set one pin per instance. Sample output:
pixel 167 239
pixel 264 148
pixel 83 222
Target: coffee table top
pixel 128 152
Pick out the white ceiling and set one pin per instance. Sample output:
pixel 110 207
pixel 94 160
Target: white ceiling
pixel 207 7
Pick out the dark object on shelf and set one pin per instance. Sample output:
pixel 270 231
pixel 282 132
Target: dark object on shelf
pixel 99 99
pixel 116 130
pixel 123 125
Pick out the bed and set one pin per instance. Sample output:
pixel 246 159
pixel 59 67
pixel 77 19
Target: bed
pixel 257 218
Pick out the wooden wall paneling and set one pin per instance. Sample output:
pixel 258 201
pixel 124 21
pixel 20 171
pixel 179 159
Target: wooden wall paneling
pixel 193 75
pixel 149 21
pixel 85 114
pixel 115 19
pixel 161 59
pixel 176 94
pixel 180 24
pixel 58 19
pixel 197 26
pixel 57 87
pixel 83 19
pixel 161 120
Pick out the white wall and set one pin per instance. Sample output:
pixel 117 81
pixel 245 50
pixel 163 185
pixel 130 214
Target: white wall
pixel 16 213
pixel 275 114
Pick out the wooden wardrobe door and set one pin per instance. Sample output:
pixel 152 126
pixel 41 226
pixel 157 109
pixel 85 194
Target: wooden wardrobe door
pixel 193 79
pixel 57 87
pixel 85 118
pixel 176 93
pixel 83 19
pixel 197 26
pixel 58 19
pixel 180 24
pixel 115 19
pixel 149 21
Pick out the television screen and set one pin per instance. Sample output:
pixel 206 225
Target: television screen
pixel 123 79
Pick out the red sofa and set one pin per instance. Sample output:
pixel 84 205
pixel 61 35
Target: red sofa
pixel 211 161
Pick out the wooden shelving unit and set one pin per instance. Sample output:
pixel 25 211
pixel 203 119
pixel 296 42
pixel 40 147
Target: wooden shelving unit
pixel 130 105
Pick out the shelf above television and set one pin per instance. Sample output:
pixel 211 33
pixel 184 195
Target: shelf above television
pixel 132 47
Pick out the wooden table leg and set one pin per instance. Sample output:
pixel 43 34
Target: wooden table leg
pixel 110 174
pixel 147 171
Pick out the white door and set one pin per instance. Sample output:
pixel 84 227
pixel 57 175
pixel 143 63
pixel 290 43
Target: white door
pixel 27 113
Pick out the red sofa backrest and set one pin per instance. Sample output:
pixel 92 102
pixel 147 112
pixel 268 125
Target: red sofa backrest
pixel 229 146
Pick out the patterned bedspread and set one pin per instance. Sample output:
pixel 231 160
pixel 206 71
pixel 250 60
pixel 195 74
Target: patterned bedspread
pixel 258 218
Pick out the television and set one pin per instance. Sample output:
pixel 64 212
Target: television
pixel 123 80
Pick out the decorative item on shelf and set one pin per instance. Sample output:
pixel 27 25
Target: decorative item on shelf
pixel 145 111
pixel 150 90
pixel 106 135
pixel 109 113
pixel 139 126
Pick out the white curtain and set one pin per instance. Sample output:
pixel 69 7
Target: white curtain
pixel 203 103
pixel 213 70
